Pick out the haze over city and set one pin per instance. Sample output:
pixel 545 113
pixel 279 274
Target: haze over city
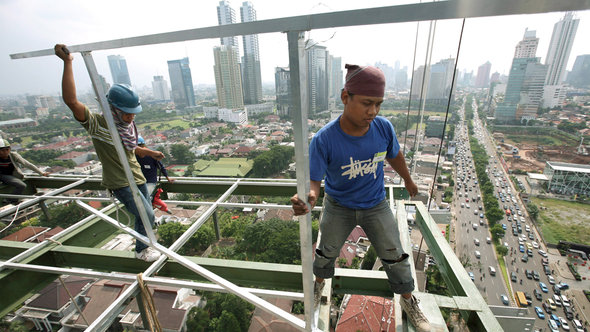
pixel 35 25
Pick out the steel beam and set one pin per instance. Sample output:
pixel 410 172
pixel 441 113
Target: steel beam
pixel 441 10
pixel 37 199
pixel 453 272
pixel 299 109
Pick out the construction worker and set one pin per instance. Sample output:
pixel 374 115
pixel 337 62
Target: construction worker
pixel 124 105
pixel 150 167
pixel 10 169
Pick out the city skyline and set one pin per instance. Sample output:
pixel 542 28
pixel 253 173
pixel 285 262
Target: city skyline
pixel 85 23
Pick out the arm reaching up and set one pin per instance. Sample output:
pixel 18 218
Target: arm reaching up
pixel 68 85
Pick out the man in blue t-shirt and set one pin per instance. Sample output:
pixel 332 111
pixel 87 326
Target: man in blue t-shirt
pixel 349 153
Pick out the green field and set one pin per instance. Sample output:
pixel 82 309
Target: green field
pixel 534 140
pixel 563 220
pixel 165 125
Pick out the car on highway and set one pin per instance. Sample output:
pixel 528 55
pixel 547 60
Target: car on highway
pixel 542 253
pixel 528 273
pixel 471 276
pixel 556 289
pixel 477 254
pixel 535 245
pixel 569 314
pixel 546 307
pixel 504 299
pixel 557 300
pixel 551 304
pixel 539 312
pixel 547 270
pixel 525 258
pixel 538 295
pixel 564 324
pixel 476 241
pixel 535 275
pixel 551 280
pixel 543 287
pixel 492 270
pixel 552 325
pixel 521 248
pixel 529 252
pixel 513 276
pixel 545 261
pixel 504 227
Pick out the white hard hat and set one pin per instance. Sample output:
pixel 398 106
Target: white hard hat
pixel 4 143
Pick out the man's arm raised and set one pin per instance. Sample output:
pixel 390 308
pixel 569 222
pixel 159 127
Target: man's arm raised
pixel 68 85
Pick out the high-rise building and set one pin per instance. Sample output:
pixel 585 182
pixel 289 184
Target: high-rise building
pixel 495 77
pixel 336 77
pixel 417 78
pixel 119 71
pixel 227 77
pixel 482 80
pixel 558 55
pixel 251 77
pixel 317 76
pixel 560 47
pixel 524 89
pixel 389 73
pixel 283 90
pixel 226 15
pixel 440 80
pixel 181 80
pixel 527 47
pixel 401 78
pixel 160 88
pixel 579 77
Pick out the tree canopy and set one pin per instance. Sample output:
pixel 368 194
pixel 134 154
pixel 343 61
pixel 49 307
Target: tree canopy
pixel 181 154
pixel 272 161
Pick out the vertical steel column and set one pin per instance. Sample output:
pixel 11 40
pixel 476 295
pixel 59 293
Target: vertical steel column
pixel 299 109
pixel 101 95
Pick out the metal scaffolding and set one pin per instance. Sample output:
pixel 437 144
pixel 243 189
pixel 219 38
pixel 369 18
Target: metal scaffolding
pixel 467 297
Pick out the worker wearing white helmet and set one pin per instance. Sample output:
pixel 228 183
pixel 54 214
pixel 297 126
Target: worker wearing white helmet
pixel 11 173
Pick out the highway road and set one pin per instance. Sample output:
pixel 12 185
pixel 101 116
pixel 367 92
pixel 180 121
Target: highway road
pixel 472 233
pixel 514 260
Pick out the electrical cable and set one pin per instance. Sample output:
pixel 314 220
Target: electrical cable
pixel 445 124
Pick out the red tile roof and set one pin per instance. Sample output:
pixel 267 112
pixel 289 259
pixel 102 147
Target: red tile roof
pixel 348 251
pixel 367 313
pixel 356 233
pixel 54 296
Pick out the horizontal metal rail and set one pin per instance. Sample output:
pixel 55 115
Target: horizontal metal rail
pixel 37 199
pixel 441 10
pixel 152 281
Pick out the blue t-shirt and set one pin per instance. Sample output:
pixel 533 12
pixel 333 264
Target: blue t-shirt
pixel 353 166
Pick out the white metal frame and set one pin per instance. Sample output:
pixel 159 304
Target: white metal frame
pixel 294 26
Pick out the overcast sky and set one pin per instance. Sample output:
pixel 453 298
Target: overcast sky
pixel 30 25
